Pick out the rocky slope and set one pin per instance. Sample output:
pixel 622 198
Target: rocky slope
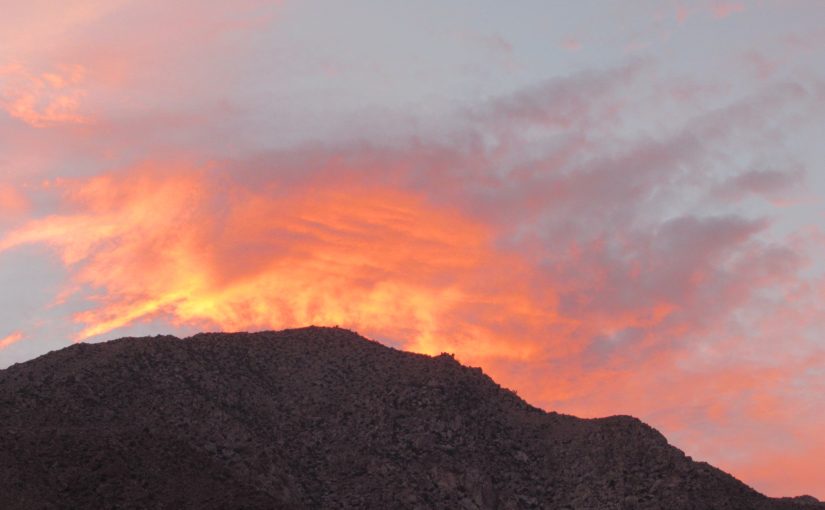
pixel 319 418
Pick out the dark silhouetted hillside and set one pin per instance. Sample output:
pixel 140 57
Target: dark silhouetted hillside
pixel 319 418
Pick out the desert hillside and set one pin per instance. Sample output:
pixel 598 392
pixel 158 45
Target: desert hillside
pixel 319 418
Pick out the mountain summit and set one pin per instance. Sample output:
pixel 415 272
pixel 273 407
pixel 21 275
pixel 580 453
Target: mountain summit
pixel 319 418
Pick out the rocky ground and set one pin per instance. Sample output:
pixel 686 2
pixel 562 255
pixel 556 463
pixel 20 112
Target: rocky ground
pixel 319 418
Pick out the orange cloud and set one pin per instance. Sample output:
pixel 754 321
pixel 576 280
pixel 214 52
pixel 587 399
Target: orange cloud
pixel 571 43
pixel 201 248
pixel 10 339
pixel 172 244
pixel 43 99
pixel 682 13
pixel 724 9
pixel 12 202
pixel 91 60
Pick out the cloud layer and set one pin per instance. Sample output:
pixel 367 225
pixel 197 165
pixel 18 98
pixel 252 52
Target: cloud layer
pixel 614 239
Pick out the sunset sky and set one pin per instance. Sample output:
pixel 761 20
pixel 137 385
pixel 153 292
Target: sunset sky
pixel 612 207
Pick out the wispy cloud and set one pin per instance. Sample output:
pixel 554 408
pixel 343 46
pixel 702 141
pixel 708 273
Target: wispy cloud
pixel 10 339
pixel 724 9
pixel 44 99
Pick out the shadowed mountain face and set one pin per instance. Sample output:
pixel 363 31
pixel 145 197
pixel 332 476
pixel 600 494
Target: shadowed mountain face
pixel 319 418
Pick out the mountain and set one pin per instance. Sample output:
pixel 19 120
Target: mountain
pixel 319 418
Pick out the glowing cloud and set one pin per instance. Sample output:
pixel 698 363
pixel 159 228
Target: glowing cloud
pixel 44 99
pixel 376 259
pixel 12 201
pixel 724 9
pixel 10 339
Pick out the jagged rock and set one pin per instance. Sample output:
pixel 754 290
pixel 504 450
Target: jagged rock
pixel 319 418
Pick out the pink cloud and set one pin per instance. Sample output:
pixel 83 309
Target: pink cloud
pixel 12 201
pixel 10 339
pixel 682 13
pixel 762 66
pixel 44 99
pixel 102 63
pixel 722 10
pixel 571 44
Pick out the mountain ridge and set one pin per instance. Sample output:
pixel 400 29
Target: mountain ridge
pixel 319 418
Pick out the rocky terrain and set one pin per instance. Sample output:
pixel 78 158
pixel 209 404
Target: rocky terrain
pixel 319 418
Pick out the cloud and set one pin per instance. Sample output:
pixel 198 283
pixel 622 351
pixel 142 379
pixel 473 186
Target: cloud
pixel 571 44
pixel 761 66
pixel 10 339
pixel 716 9
pixel 490 42
pixel 722 10
pixel 44 99
pixel 763 183
pixel 175 243
pixel 561 102
pixel 682 13
pixel 12 201
pixel 100 67
pixel 290 239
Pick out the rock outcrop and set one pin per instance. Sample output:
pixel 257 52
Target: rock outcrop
pixel 319 418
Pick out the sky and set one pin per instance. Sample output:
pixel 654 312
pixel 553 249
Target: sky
pixel 611 207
